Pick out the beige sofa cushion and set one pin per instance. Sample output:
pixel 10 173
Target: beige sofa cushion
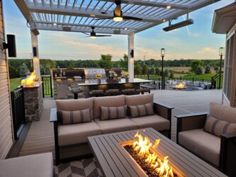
pixel 218 127
pixel 139 99
pixel 77 133
pixel 108 101
pixel 223 112
pixel 153 121
pixel 201 143
pixel 141 110
pixel 116 125
pixel 75 117
pixel 38 165
pixel 108 113
pixel 75 104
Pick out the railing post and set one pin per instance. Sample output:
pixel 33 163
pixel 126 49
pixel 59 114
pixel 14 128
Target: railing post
pixel 50 78
pixel 43 86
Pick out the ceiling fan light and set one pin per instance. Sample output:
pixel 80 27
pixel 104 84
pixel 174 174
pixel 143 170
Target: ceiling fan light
pixel 93 37
pixel 117 19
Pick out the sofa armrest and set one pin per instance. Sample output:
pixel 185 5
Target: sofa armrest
pixel 228 154
pixel 53 115
pixel 163 110
pixel 54 119
pixel 190 121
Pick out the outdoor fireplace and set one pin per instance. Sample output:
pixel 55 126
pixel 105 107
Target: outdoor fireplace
pixel 152 162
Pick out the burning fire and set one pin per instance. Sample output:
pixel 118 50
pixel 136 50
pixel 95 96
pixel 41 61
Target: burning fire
pixel 30 81
pixel 180 85
pixel 145 149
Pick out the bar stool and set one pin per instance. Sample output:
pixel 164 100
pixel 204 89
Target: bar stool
pixel 112 92
pixel 143 90
pixel 129 92
pixel 96 93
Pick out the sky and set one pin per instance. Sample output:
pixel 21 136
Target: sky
pixel 193 42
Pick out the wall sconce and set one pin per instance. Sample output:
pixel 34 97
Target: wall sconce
pixel 10 45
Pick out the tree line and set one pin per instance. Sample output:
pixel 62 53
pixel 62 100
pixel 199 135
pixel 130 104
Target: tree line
pixel 21 67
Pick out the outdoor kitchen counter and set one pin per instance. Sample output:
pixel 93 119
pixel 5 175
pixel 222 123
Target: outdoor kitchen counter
pixel 91 82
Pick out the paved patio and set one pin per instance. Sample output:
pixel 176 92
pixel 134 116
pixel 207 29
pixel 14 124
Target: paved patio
pixel 40 135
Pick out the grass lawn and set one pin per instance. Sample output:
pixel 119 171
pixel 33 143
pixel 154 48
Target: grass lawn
pixel 14 83
pixel 191 76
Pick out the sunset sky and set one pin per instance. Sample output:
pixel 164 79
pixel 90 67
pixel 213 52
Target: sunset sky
pixel 192 42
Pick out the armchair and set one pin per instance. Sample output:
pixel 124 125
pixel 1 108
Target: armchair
pixel 218 151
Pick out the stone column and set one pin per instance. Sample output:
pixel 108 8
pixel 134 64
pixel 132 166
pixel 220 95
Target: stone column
pixel 33 103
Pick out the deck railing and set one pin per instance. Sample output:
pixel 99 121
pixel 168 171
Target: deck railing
pixel 47 86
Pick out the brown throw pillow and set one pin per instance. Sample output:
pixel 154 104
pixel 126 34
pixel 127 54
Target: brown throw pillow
pixel 141 110
pixel 75 117
pixel 108 113
pixel 218 127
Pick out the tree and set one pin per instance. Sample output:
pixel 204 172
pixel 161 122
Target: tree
pixel 105 61
pixel 124 62
pixel 166 73
pixel 157 71
pixel 24 71
pixel 196 67
pixel 137 68
pixel 171 76
pixel 207 69
pixel 145 69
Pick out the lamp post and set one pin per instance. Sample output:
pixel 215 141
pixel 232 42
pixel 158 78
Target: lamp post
pixel 162 69
pixel 221 49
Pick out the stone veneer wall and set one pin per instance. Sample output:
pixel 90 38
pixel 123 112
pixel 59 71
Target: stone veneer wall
pixel 33 103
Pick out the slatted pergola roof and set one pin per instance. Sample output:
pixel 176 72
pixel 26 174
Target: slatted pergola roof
pixel 81 15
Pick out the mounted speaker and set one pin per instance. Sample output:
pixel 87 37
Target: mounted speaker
pixel 10 45
pixel 35 52
pixel 132 53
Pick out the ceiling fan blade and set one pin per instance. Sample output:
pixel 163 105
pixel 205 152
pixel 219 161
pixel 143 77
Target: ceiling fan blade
pixel 101 35
pixel 132 18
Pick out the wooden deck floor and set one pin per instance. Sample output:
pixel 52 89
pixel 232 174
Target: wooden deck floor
pixel 40 136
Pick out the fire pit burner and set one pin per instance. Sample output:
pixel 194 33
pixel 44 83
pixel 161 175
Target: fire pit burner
pixel 149 159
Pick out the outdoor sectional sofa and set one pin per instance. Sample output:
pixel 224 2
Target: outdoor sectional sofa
pixel 211 136
pixel 71 139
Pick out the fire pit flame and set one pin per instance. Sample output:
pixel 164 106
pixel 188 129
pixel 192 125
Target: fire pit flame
pixel 143 147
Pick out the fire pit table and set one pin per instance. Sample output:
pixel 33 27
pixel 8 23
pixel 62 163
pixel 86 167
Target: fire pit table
pixel 113 155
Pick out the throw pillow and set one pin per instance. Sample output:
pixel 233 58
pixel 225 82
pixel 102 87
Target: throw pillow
pixel 218 127
pixel 141 110
pixel 108 113
pixel 75 117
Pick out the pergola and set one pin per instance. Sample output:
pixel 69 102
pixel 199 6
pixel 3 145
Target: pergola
pixel 82 15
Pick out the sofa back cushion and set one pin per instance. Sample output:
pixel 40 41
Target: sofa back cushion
pixel 108 101
pixel 139 99
pixel 141 110
pixel 75 117
pixel 108 113
pixel 75 105
pixel 218 127
pixel 223 112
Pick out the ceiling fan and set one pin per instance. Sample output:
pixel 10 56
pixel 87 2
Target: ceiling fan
pixel 118 14
pixel 93 34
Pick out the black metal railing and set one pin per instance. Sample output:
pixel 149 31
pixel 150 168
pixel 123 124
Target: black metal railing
pixel 18 110
pixel 47 86
pixel 216 81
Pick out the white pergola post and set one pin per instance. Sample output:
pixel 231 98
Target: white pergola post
pixel 35 54
pixel 131 56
